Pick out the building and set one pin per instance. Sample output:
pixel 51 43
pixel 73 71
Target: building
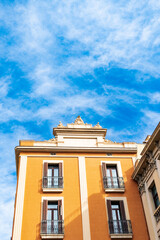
pixel 77 185
pixel 147 175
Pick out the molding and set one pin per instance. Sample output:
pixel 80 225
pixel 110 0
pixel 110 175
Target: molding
pixel 84 199
pixel 52 189
pixel 19 149
pixel 148 198
pixel 74 156
pixel 124 199
pixel 118 163
pixel 53 161
pixel 20 199
pixel 115 190
pixel 121 236
pixel 51 236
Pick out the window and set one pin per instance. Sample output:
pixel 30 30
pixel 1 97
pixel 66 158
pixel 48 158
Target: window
pixel 118 224
pixel 112 177
pixel 52 223
pixel 52 176
pixel 155 196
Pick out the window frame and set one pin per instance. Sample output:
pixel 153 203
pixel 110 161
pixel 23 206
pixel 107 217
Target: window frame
pixel 118 199
pixel 52 162
pixel 52 199
pixel 119 174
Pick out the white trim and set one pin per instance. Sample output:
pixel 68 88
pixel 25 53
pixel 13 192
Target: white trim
pixel 53 189
pixel 84 199
pixel 20 199
pixel 71 156
pixel 53 161
pixel 118 163
pixel 151 211
pixel 124 199
pixel 51 236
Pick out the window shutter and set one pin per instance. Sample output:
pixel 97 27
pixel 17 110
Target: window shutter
pixel 104 169
pixel 45 173
pixel 123 215
pixel 60 169
pixel 60 179
pixel 44 216
pixel 109 209
pixel 59 209
pixel 44 213
pixel 110 222
pixel 60 228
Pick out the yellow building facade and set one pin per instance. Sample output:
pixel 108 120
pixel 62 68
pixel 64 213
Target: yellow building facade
pixel 77 186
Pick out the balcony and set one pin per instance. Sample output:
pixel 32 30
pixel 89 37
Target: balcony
pixel 113 184
pixel 120 229
pixel 52 229
pixel 52 184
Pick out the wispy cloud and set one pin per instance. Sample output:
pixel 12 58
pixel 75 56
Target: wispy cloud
pixel 58 60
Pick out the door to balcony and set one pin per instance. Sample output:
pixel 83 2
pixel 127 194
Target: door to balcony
pixel 116 216
pixel 52 218
pixel 112 177
pixel 53 174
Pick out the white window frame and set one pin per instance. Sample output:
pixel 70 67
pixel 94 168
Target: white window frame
pixel 54 236
pixel 119 170
pixel 53 162
pixel 124 199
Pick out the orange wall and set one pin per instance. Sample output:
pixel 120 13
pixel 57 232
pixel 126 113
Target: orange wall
pixel 96 199
pixel 71 193
pixel 33 195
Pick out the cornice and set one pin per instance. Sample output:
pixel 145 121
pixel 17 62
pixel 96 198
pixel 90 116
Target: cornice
pixel 151 140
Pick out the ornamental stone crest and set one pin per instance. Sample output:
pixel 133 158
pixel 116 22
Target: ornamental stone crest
pixel 79 121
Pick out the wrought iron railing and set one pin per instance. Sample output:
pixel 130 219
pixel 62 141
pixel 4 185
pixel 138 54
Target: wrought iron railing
pixel 52 182
pixel 113 182
pixel 120 226
pixel 52 227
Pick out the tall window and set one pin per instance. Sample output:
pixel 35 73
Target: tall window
pixel 52 176
pixel 117 218
pixel 112 176
pixel 52 217
pixel 155 196
pixel 111 180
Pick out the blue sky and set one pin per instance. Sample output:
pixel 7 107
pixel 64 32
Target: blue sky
pixel 59 59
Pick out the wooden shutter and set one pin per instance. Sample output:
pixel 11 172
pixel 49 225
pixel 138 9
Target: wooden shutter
pixel 60 169
pixel 60 179
pixel 104 169
pixel 59 209
pixel 60 228
pixel 110 222
pixel 45 171
pixel 123 215
pixel 45 174
pixel 44 216
pixel 109 209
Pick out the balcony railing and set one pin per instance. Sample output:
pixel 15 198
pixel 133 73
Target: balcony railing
pixel 120 226
pixel 52 227
pixel 52 182
pixel 113 182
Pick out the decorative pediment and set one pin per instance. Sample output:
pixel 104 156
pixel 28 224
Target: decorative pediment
pixel 79 121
